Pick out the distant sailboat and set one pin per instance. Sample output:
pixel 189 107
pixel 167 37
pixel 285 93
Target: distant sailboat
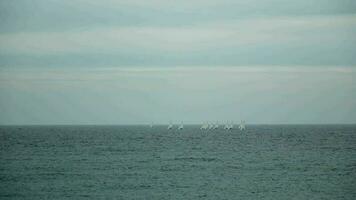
pixel 211 126
pixel 151 125
pixel 180 127
pixel 204 126
pixel 216 126
pixel 170 126
pixel 226 126
pixel 231 126
pixel 242 125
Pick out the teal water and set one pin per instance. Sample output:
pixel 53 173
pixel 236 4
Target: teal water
pixel 136 162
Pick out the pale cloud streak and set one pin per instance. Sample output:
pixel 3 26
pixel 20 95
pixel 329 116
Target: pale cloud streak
pixel 229 34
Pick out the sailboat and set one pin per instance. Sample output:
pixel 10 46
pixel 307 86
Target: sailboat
pixel 151 125
pixel 211 126
pixel 180 127
pixel 226 126
pixel 231 126
pixel 170 126
pixel 204 126
pixel 216 126
pixel 242 125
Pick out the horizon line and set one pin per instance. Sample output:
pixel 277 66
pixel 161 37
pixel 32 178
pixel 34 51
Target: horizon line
pixel 165 124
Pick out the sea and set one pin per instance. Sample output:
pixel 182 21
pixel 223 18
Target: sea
pixel 138 162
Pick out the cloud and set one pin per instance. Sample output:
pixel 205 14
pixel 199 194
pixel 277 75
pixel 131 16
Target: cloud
pixel 264 61
pixel 208 76
pixel 188 39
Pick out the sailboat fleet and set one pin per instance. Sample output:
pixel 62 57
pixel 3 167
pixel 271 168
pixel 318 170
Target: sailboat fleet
pixel 210 126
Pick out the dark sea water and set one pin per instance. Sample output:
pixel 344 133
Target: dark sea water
pixel 136 162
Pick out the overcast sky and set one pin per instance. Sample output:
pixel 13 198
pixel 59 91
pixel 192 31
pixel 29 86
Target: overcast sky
pixel 142 61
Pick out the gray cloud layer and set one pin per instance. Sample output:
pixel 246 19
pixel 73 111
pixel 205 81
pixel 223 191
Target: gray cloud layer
pixel 274 32
pixel 137 61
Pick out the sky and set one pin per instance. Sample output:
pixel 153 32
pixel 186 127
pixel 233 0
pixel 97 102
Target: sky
pixel 143 61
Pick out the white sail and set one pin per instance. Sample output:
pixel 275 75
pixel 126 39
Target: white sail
pixel 180 126
pixel 151 125
pixel 216 126
pixel 226 126
pixel 204 126
pixel 242 125
pixel 211 126
pixel 170 126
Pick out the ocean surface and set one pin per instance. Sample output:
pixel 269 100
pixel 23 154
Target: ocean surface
pixel 138 162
